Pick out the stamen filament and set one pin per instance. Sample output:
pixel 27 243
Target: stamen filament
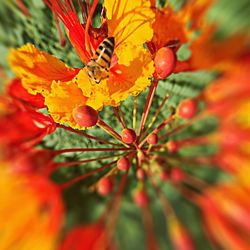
pixel 88 24
pixel 62 39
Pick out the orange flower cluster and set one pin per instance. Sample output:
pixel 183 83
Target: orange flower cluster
pixel 144 53
pixel 131 64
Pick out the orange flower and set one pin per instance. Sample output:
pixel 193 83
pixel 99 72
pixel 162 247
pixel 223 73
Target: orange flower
pixel 228 99
pixel 226 213
pixel 179 235
pixel 207 52
pixel 30 212
pixel 64 88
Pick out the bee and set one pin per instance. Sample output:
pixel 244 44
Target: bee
pixel 99 64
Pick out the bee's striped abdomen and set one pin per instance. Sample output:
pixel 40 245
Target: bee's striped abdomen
pixel 104 52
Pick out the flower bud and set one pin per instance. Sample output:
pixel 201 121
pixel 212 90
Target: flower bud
pixel 165 61
pixel 105 186
pixel 85 116
pixel 187 109
pixel 176 175
pixel 123 163
pixel 172 146
pixel 128 136
pixel 141 198
pixel 152 139
pixel 140 174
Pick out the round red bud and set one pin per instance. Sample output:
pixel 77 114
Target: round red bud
pixel 105 186
pixel 165 61
pixel 172 146
pixel 176 175
pixel 141 198
pixel 140 174
pixel 152 139
pixel 128 135
pixel 123 164
pixel 187 109
pixel 85 116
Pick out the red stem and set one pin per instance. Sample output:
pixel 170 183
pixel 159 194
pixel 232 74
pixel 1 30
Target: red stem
pixel 114 210
pixel 122 116
pixel 66 164
pixel 82 177
pixel 150 234
pixel 160 127
pixel 112 131
pixel 118 117
pixel 62 151
pixel 87 136
pixel 147 107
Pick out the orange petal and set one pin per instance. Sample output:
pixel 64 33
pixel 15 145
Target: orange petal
pixel 174 28
pixel 34 215
pixel 37 69
pixel 63 98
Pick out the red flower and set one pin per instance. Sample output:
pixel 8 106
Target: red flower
pixel 18 92
pixel 88 237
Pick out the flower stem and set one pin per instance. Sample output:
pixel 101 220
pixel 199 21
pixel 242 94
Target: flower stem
pixel 62 151
pixel 82 177
pixel 87 136
pixel 147 106
pixel 183 126
pixel 110 131
pixel 160 127
pixel 118 117
pixel 122 116
pixel 66 164
pixel 155 116
pixel 134 113
pixel 149 227
pixel 115 206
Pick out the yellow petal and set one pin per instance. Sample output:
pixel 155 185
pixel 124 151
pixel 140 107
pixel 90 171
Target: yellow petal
pixel 129 22
pixel 37 69
pixel 62 100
